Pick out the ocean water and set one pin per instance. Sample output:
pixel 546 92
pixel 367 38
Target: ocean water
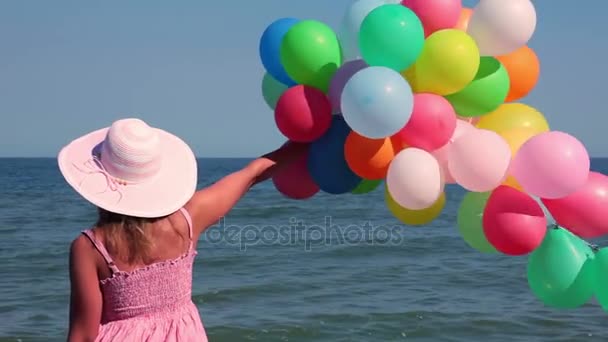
pixel 351 273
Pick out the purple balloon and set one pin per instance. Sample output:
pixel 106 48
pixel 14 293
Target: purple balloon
pixel 338 81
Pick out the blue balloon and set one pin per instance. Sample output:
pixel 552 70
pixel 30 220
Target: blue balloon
pixel 327 163
pixel 377 102
pixel 351 24
pixel 270 49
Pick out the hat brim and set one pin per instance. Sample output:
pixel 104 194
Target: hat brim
pixel 167 192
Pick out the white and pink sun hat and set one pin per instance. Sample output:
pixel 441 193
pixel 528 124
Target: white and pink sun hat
pixel 131 168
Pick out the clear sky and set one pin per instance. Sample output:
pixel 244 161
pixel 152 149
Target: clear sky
pixel 192 67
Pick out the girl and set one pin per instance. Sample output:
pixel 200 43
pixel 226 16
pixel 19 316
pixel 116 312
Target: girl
pixel 131 274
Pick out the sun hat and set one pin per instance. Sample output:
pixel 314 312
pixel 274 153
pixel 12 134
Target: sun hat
pixel 131 168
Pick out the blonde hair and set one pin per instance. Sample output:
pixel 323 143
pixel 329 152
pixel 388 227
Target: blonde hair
pixel 125 236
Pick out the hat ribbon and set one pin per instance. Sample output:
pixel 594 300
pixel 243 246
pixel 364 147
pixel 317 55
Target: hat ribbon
pixel 94 166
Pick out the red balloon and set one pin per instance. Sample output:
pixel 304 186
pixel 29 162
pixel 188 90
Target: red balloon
pixel 294 181
pixel 431 125
pixel 303 113
pixel 513 222
pixel 584 211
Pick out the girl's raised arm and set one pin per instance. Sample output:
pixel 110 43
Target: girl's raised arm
pixel 209 205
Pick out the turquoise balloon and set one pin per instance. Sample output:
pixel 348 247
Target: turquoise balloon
pixel 392 36
pixel 561 270
pixel 272 90
pixel 600 272
pixel 351 25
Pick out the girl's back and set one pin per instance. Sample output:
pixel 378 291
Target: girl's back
pixel 148 301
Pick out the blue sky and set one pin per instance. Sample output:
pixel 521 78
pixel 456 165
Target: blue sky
pixel 192 67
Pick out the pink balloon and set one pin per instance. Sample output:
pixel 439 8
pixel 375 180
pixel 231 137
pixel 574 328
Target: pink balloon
pixel 441 154
pixel 513 222
pixel 294 181
pixel 414 179
pixel 551 165
pixel 479 160
pixel 435 14
pixel 431 125
pixel 583 212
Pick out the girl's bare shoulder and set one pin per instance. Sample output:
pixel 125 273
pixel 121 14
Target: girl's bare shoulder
pixel 81 246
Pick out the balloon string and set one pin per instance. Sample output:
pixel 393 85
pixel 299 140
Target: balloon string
pixel 594 247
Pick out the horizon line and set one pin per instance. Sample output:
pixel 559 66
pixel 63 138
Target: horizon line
pixel 199 157
pixel 46 157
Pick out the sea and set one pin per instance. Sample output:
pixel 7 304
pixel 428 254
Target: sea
pixel 350 272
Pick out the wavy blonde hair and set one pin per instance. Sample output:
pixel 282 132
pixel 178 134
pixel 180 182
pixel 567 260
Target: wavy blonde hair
pixel 125 236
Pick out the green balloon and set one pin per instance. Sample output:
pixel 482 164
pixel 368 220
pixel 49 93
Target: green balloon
pixel 391 36
pixel 470 221
pixel 366 186
pixel 600 268
pixel 560 270
pixel 311 54
pixel 485 93
pixel 272 90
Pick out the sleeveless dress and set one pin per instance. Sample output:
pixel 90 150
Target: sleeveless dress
pixel 151 304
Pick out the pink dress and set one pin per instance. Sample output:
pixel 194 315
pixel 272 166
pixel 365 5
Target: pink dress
pixel 150 304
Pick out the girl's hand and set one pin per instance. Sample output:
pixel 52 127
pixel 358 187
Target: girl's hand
pixel 270 163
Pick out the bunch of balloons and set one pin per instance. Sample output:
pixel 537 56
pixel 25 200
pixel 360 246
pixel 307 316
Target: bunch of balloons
pixel 423 93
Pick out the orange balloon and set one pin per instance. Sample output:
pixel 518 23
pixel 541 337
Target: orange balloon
pixel 523 68
pixel 463 20
pixel 368 158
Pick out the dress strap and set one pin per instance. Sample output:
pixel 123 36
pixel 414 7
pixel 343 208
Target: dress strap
pixel 189 221
pixel 102 250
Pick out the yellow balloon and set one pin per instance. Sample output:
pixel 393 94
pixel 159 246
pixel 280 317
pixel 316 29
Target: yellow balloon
pixel 516 138
pixel 512 116
pixel 414 217
pixel 410 76
pixel 448 62
pixel 512 182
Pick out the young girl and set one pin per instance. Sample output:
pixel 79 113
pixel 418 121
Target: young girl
pixel 131 274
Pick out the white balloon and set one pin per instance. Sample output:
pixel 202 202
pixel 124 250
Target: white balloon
pixel 414 179
pixel 500 27
pixel 351 24
pixel 479 160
